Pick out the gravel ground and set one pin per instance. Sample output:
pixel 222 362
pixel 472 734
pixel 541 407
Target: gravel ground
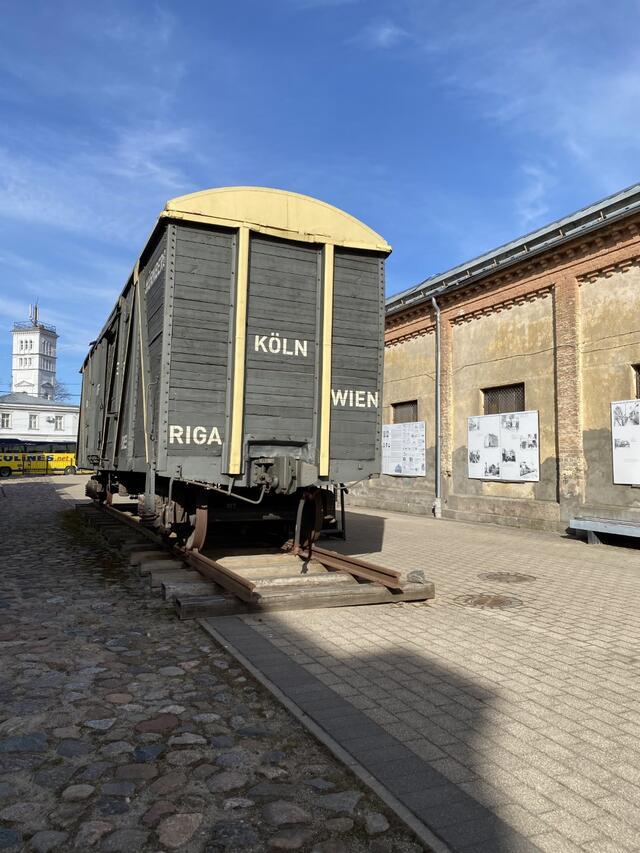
pixel 123 729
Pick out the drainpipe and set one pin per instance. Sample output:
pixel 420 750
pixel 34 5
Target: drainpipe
pixel 437 504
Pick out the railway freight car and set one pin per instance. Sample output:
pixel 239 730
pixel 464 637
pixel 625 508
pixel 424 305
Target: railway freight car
pixel 239 376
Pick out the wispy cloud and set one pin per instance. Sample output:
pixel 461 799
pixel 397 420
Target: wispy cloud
pixel 319 4
pixel 380 34
pixel 556 86
pixel 129 153
pixel 532 199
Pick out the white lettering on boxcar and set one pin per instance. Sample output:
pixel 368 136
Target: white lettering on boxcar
pixel 196 434
pixel 155 272
pixel 356 399
pixel 277 345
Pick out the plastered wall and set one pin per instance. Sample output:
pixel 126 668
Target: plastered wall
pixel 409 374
pixel 609 346
pixel 504 348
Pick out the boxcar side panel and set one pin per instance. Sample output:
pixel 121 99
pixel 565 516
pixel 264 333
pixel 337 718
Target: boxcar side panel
pixel 126 344
pixel 356 357
pixel 280 385
pixel 152 283
pixel 94 378
pixel 197 392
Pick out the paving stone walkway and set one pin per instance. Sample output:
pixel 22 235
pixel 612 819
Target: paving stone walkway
pixel 505 730
pixel 123 729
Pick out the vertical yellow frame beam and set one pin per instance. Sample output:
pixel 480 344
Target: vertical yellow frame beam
pixel 139 312
pixel 327 336
pixel 239 352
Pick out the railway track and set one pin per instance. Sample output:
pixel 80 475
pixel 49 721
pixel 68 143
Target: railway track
pixel 225 581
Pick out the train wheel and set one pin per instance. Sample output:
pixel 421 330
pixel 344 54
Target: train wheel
pixel 199 532
pixel 5 472
pixel 70 469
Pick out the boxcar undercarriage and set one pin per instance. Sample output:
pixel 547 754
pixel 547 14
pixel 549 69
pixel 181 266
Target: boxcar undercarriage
pixel 188 512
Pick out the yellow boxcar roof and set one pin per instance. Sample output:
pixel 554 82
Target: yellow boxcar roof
pixel 276 212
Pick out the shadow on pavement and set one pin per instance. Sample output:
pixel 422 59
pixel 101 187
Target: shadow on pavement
pixel 415 726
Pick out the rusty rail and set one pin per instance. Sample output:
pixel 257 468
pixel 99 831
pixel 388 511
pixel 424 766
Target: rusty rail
pixel 357 567
pixel 132 521
pixel 243 587
pixel 235 583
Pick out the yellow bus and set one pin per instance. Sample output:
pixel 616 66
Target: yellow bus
pixel 36 457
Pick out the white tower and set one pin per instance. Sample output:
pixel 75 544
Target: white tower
pixel 34 357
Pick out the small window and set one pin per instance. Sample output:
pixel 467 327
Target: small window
pixel 503 398
pixel 5 420
pixel 59 423
pixel 404 413
pixel 33 422
pixel 636 379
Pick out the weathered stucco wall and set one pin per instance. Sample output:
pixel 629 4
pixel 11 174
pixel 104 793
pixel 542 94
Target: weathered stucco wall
pixel 610 345
pixel 566 323
pixel 504 348
pixel 409 374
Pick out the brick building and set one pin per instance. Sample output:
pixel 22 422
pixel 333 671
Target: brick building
pixel 549 322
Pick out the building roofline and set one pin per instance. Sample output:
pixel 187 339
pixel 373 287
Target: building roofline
pixel 32 402
pixel 30 326
pixel 38 438
pixel 584 221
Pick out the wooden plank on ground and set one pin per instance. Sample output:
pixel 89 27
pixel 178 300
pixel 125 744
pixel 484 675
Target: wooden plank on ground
pixel 299 599
pixel 140 557
pixel 172 589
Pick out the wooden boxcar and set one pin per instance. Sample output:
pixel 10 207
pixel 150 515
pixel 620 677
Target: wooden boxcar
pixel 242 363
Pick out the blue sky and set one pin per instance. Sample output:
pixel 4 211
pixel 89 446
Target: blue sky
pixel 450 128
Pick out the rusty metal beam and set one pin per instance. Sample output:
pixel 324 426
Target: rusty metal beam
pixel 359 568
pixel 238 585
pixel 319 553
pixel 132 521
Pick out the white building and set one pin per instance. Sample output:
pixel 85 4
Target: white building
pixel 34 358
pixel 24 417
pixel 29 413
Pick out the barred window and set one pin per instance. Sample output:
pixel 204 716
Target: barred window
pixel 503 398
pixel 404 413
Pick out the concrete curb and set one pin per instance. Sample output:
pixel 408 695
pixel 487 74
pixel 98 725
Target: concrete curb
pixel 420 830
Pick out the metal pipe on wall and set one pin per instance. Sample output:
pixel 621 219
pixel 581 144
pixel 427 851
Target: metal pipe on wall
pixel 437 504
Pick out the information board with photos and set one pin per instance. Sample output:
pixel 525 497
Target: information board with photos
pixel 625 440
pixel 504 447
pixel 403 449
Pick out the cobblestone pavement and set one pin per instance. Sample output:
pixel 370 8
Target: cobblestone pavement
pixel 123 729
pixel 526 717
